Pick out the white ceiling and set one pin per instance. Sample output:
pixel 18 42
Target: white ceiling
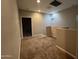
pixel 44 5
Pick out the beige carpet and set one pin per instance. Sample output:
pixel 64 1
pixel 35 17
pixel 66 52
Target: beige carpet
pixel 38 48
pixel 63 55
pixel 41 47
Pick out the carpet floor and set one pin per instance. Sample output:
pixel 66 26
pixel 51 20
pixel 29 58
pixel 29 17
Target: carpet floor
pixel 41 48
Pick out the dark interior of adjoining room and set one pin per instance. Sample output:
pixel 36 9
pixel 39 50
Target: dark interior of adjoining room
pixel 27 28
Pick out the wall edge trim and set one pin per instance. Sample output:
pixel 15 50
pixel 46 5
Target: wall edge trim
pixel 66 51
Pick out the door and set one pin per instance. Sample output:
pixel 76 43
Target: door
pixel 26 24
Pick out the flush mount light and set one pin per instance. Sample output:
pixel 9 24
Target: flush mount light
pixel 55 3
pixel 38 1
pixel 38 10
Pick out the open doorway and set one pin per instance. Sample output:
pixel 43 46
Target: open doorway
pixel 26 25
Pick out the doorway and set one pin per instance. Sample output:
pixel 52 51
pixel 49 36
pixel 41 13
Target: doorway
pixel 26 26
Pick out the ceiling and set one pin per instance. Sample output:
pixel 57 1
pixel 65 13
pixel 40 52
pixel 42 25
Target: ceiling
pixel 44 5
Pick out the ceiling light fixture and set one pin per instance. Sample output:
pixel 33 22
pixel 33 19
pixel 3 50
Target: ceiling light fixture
pixel 38 10
pixel 38 1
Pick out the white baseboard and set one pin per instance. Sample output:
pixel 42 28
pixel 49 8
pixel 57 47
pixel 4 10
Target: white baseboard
pixel 66 51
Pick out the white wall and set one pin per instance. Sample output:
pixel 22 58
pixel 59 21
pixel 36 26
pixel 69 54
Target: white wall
pixel 65 17
pixel 65 38
pixel 10 31
pixel 39 21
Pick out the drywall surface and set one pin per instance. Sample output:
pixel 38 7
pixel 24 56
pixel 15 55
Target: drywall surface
pixel 10 30
pixel 39 21
pixel 67 39
pixel 67 18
